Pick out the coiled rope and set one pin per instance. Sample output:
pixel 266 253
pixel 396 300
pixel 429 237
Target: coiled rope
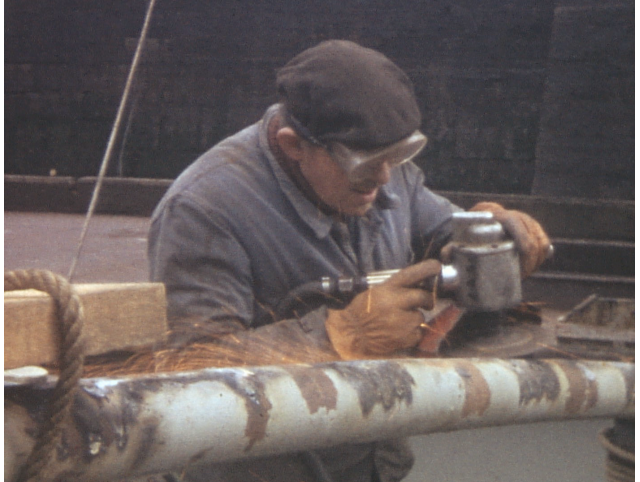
pixel 68 311
pixel 67 303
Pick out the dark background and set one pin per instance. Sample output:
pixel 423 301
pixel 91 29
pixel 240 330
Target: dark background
pixel 518 96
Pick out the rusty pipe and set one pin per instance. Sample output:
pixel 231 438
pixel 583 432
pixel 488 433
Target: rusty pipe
pixel 153 423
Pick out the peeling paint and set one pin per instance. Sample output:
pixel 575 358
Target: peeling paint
pixel 316 388
pixel 251 389
pixel 630 383
pixel 146 444
pixel 67 475
pixel 537 380
pixel 477 393
pixel 94 422
pixel 126 429
pixel 196 458
pixel 583 392
pixel 377 383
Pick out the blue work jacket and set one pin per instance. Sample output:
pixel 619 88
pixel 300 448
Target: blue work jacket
pixel 234 234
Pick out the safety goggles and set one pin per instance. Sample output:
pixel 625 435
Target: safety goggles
pixel 360 164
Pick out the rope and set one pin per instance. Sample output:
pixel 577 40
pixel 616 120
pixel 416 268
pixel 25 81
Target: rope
pixel 68 310
pixel 67 304
pixel 112 137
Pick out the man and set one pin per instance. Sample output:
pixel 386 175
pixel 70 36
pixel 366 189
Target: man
pixel 322 186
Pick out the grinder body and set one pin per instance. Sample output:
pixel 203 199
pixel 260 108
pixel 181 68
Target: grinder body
pixel 486 263
pixel 483 273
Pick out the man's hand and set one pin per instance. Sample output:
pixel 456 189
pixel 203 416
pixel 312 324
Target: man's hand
pixel 531 240
pixel 384 318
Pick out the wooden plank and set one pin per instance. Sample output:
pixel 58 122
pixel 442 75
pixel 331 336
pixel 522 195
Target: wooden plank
pixel 116 317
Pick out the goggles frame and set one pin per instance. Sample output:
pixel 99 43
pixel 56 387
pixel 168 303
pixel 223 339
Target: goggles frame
pixel 357 163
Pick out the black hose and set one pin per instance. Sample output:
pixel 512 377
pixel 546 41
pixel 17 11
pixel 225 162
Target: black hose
pixel 303 294
pixel 335 292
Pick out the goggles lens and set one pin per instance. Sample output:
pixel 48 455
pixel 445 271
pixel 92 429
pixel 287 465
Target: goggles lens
pixel 358 163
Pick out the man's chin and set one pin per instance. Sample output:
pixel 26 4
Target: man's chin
pixel 359 203
pixel 359 210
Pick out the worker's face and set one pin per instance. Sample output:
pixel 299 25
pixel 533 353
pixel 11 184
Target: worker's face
pixel 333 186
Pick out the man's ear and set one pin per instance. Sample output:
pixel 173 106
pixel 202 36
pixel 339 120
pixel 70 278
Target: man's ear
pixel 290 143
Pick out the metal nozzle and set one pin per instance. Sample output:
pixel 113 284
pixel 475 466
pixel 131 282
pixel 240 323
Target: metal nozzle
pixel 449 277
pixel 448 280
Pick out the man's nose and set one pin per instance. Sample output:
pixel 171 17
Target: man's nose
pixel 381 174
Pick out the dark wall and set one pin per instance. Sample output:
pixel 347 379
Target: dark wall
pixel 586 140
pixel 481 70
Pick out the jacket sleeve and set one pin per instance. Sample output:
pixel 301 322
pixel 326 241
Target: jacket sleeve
pixel 207 277
pixel 207 274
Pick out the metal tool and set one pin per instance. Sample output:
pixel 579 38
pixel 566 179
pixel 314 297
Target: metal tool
pixel 483 275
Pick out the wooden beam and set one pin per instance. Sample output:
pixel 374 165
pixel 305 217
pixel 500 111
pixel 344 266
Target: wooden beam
pixel 116 317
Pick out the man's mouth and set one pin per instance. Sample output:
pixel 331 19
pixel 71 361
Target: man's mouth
pixel 367 192
pixel 365 188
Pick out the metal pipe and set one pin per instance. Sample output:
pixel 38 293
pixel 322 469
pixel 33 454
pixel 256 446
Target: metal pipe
pixel 153 423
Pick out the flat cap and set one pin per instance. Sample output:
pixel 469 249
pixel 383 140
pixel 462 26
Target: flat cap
pixel 341 91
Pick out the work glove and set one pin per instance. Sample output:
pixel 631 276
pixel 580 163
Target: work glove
pixel 385 318
pixel 531 240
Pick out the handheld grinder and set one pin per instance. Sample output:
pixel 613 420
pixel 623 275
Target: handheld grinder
pixel 483 273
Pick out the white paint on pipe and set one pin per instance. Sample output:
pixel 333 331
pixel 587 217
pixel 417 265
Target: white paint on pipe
pixel 163 422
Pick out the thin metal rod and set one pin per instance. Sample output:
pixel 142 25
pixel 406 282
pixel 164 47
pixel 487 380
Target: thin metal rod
pixel 125 135
pixel 112 137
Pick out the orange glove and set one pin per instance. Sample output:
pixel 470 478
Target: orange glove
pixel 531 240
pixel 384 318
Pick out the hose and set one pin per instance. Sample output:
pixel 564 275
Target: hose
pixel 302 294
